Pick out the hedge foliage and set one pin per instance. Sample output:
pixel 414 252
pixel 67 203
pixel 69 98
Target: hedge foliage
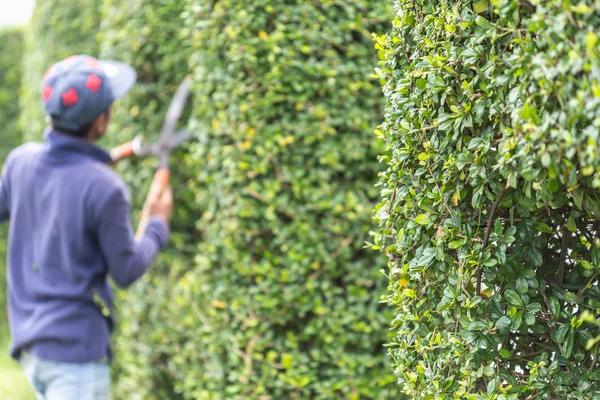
pixel 266 291
pixel 11 45
pixel 282 300
pixel 58 29
pixel 491 202
pixel 146 34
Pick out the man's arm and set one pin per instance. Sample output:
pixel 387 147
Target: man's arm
pixel 127 259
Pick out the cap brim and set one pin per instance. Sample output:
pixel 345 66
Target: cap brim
pixel 121 77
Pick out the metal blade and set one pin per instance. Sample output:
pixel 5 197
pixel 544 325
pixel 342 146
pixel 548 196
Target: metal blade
pixel 173 142
pixel 180 137
pixel 175 110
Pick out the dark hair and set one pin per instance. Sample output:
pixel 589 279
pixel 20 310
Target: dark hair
pixel 82 131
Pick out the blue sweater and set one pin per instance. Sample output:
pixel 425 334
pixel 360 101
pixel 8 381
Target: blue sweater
pixel 69 230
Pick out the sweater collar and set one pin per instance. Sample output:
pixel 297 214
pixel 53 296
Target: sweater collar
pixel 65 143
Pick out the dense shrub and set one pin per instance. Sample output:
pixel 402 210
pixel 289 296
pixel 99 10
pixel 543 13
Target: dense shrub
pixel 491 205
pixel 266 292
pixel 146 34
pixel 282 301
pixel 11 48
pixel 59 28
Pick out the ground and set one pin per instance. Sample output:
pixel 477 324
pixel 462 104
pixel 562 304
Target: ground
pixel 13 385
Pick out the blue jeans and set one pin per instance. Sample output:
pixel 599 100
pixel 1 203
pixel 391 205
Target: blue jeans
pixel 67 381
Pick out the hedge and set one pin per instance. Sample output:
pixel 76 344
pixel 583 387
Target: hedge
pixel 58 29
pixel 11 45
pixel 146 34
pixel 491 201
pixel 266 292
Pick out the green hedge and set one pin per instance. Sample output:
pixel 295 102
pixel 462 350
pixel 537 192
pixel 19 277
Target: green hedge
pixel 266 291
pixel 146 34
pixel 58 29
pixel 282 301
pixel 11 45
pixel 491 198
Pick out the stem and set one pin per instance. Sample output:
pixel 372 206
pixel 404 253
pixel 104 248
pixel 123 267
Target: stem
pixel 488 231
pixel 563 254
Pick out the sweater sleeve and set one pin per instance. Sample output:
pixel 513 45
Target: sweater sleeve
pixel 4 194
pixel 127 259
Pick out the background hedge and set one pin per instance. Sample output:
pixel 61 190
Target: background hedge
pixel 147 35
pixel 266 291
pixel 58 29
pixel 491 205
pixel 11 49
pixel 282 301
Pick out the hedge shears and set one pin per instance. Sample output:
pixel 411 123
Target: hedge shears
pixel 168 140
pixel 140 147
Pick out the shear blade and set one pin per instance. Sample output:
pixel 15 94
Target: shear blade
pixel 175 110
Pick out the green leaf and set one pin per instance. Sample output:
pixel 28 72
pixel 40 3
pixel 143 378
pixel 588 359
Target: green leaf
pixel 504 353
pixel 423 219
pixel 534 307
pixel 477 326
pixel 503 322
pixel 571 226
pixel 587 265
pixel 529 319
pixel 546 160
pixel 573 298
pixel 484 23
pixel 529 273
pixel 488 371
pixel 522 285
pixel 512 181
pixel 481 6
pixel 568 346
pixel 543 227
pixel 535 257
pixel 555 307
pixel 513 298
pixel 596 255
pixel 455 244
pixel 561 332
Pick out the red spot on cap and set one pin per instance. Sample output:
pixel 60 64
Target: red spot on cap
pixel 70 97
pixel 92 62
pixel 47 92
pixel 93 83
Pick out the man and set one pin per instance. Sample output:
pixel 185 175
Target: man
pixel 69 231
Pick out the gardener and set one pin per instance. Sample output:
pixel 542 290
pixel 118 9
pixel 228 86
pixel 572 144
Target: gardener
pixel 70 230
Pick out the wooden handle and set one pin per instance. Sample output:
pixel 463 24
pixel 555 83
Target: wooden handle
pixel 122 152
pixel 159 183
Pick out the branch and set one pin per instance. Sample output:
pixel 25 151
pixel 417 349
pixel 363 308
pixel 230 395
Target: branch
pixel 488 231
pixel 393 197
pixel 563 256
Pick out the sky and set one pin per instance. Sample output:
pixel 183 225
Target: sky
pixel 15 12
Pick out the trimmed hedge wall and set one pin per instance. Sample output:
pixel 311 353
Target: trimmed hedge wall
pixel 146 34
pixel 491 202
pixel 282 301
pixel 11 48
pixel 266 292
pixel 58 29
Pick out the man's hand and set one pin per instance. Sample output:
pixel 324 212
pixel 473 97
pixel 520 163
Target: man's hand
pixel 162 206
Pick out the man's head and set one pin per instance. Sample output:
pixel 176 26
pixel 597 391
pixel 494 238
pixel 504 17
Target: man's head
pixel 78 93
